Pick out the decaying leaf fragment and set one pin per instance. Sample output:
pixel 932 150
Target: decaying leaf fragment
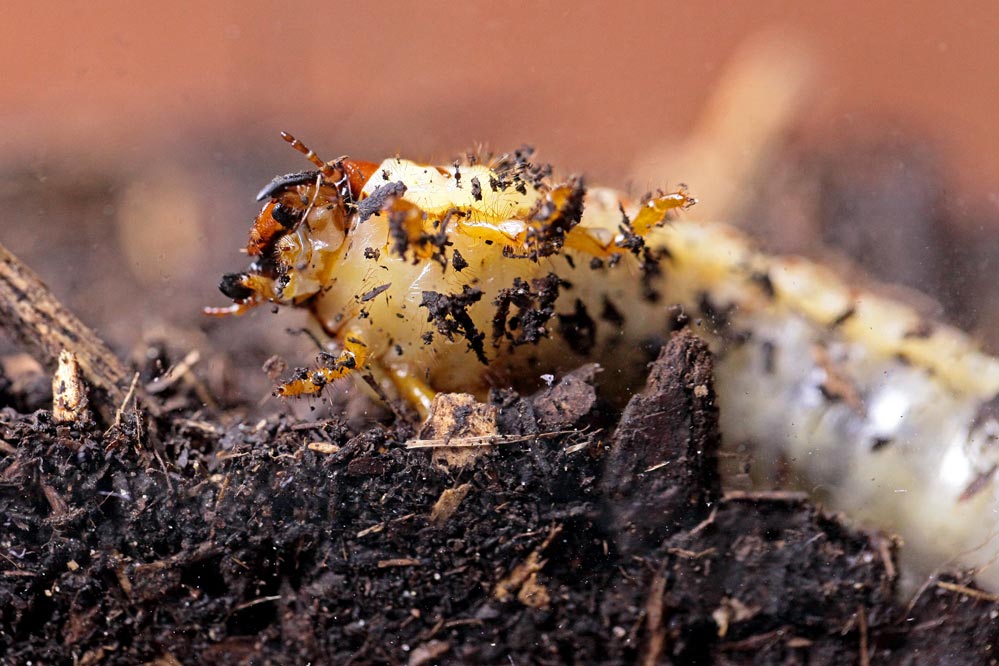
pixel 448 503
pixel 523 580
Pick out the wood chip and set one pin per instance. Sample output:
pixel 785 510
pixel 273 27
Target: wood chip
pixel 374 529
pixel 458 416
pixel 69 392
pixel 448 503
pixel 428 652
pixel 32 314
pixel 322 447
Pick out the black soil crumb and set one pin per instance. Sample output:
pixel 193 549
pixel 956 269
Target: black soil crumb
pixel 379 199
pixel 449 312
pixel 188 539
pixel 550 222
pixel 535 303
pixel 458 262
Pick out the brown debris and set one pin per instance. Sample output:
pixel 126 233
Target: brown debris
pixel 731 610
pixel 654 621
pixel 522 583
pixel 569 402
pixel 449 313
pixel 448 503
pixel 836 385
pixel 532 593
pixel 69 392
pixel 661 473
pixel 322 447
pixel 455 417
pixel 535 303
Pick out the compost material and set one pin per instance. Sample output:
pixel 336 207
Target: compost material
pixel 574 535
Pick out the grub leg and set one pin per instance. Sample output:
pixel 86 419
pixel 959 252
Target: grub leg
pixel 411 388
pixel 353 358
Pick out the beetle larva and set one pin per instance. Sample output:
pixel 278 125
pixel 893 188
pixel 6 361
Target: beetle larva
pixel 470 276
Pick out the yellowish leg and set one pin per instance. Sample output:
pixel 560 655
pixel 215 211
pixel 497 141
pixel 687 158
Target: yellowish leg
pixel 353 358
pixel 600 243
pixel 261 289
pixel 411 388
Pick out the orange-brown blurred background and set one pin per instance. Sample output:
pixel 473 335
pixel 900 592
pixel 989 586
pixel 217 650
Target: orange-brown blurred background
pixel 135 135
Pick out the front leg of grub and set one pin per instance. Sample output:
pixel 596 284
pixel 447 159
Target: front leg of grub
pixel 353 358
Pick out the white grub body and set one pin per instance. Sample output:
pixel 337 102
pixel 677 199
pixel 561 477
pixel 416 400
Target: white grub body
pixel 877 411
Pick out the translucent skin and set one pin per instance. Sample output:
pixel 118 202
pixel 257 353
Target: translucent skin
pixel 877 410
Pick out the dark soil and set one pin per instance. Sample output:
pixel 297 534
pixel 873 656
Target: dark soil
pixel 193 540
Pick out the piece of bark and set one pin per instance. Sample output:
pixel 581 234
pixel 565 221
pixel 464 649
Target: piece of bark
pixel 662 471
pixel 458 419
pixel 36 319
pixel 567 403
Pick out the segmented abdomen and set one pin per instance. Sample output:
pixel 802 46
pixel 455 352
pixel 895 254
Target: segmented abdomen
pixel 876 410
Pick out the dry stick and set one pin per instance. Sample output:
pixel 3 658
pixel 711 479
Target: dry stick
pixel 36 319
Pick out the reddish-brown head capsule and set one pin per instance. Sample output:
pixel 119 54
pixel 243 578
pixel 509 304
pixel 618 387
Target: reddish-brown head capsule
pixel 274 220
pixel 303 222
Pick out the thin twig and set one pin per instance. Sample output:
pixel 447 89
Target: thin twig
pixel 865 654
pixel 254 602
pixel 764 496
pixel 968 591
pixel 654 620
pixel 124 403
pixel 481 440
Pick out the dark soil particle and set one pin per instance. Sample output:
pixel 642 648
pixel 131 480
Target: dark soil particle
pixel 449 312
pixel 189 540
pixel 535 303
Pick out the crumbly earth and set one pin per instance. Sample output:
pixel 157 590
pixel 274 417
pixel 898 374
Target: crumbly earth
pixel 586 536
